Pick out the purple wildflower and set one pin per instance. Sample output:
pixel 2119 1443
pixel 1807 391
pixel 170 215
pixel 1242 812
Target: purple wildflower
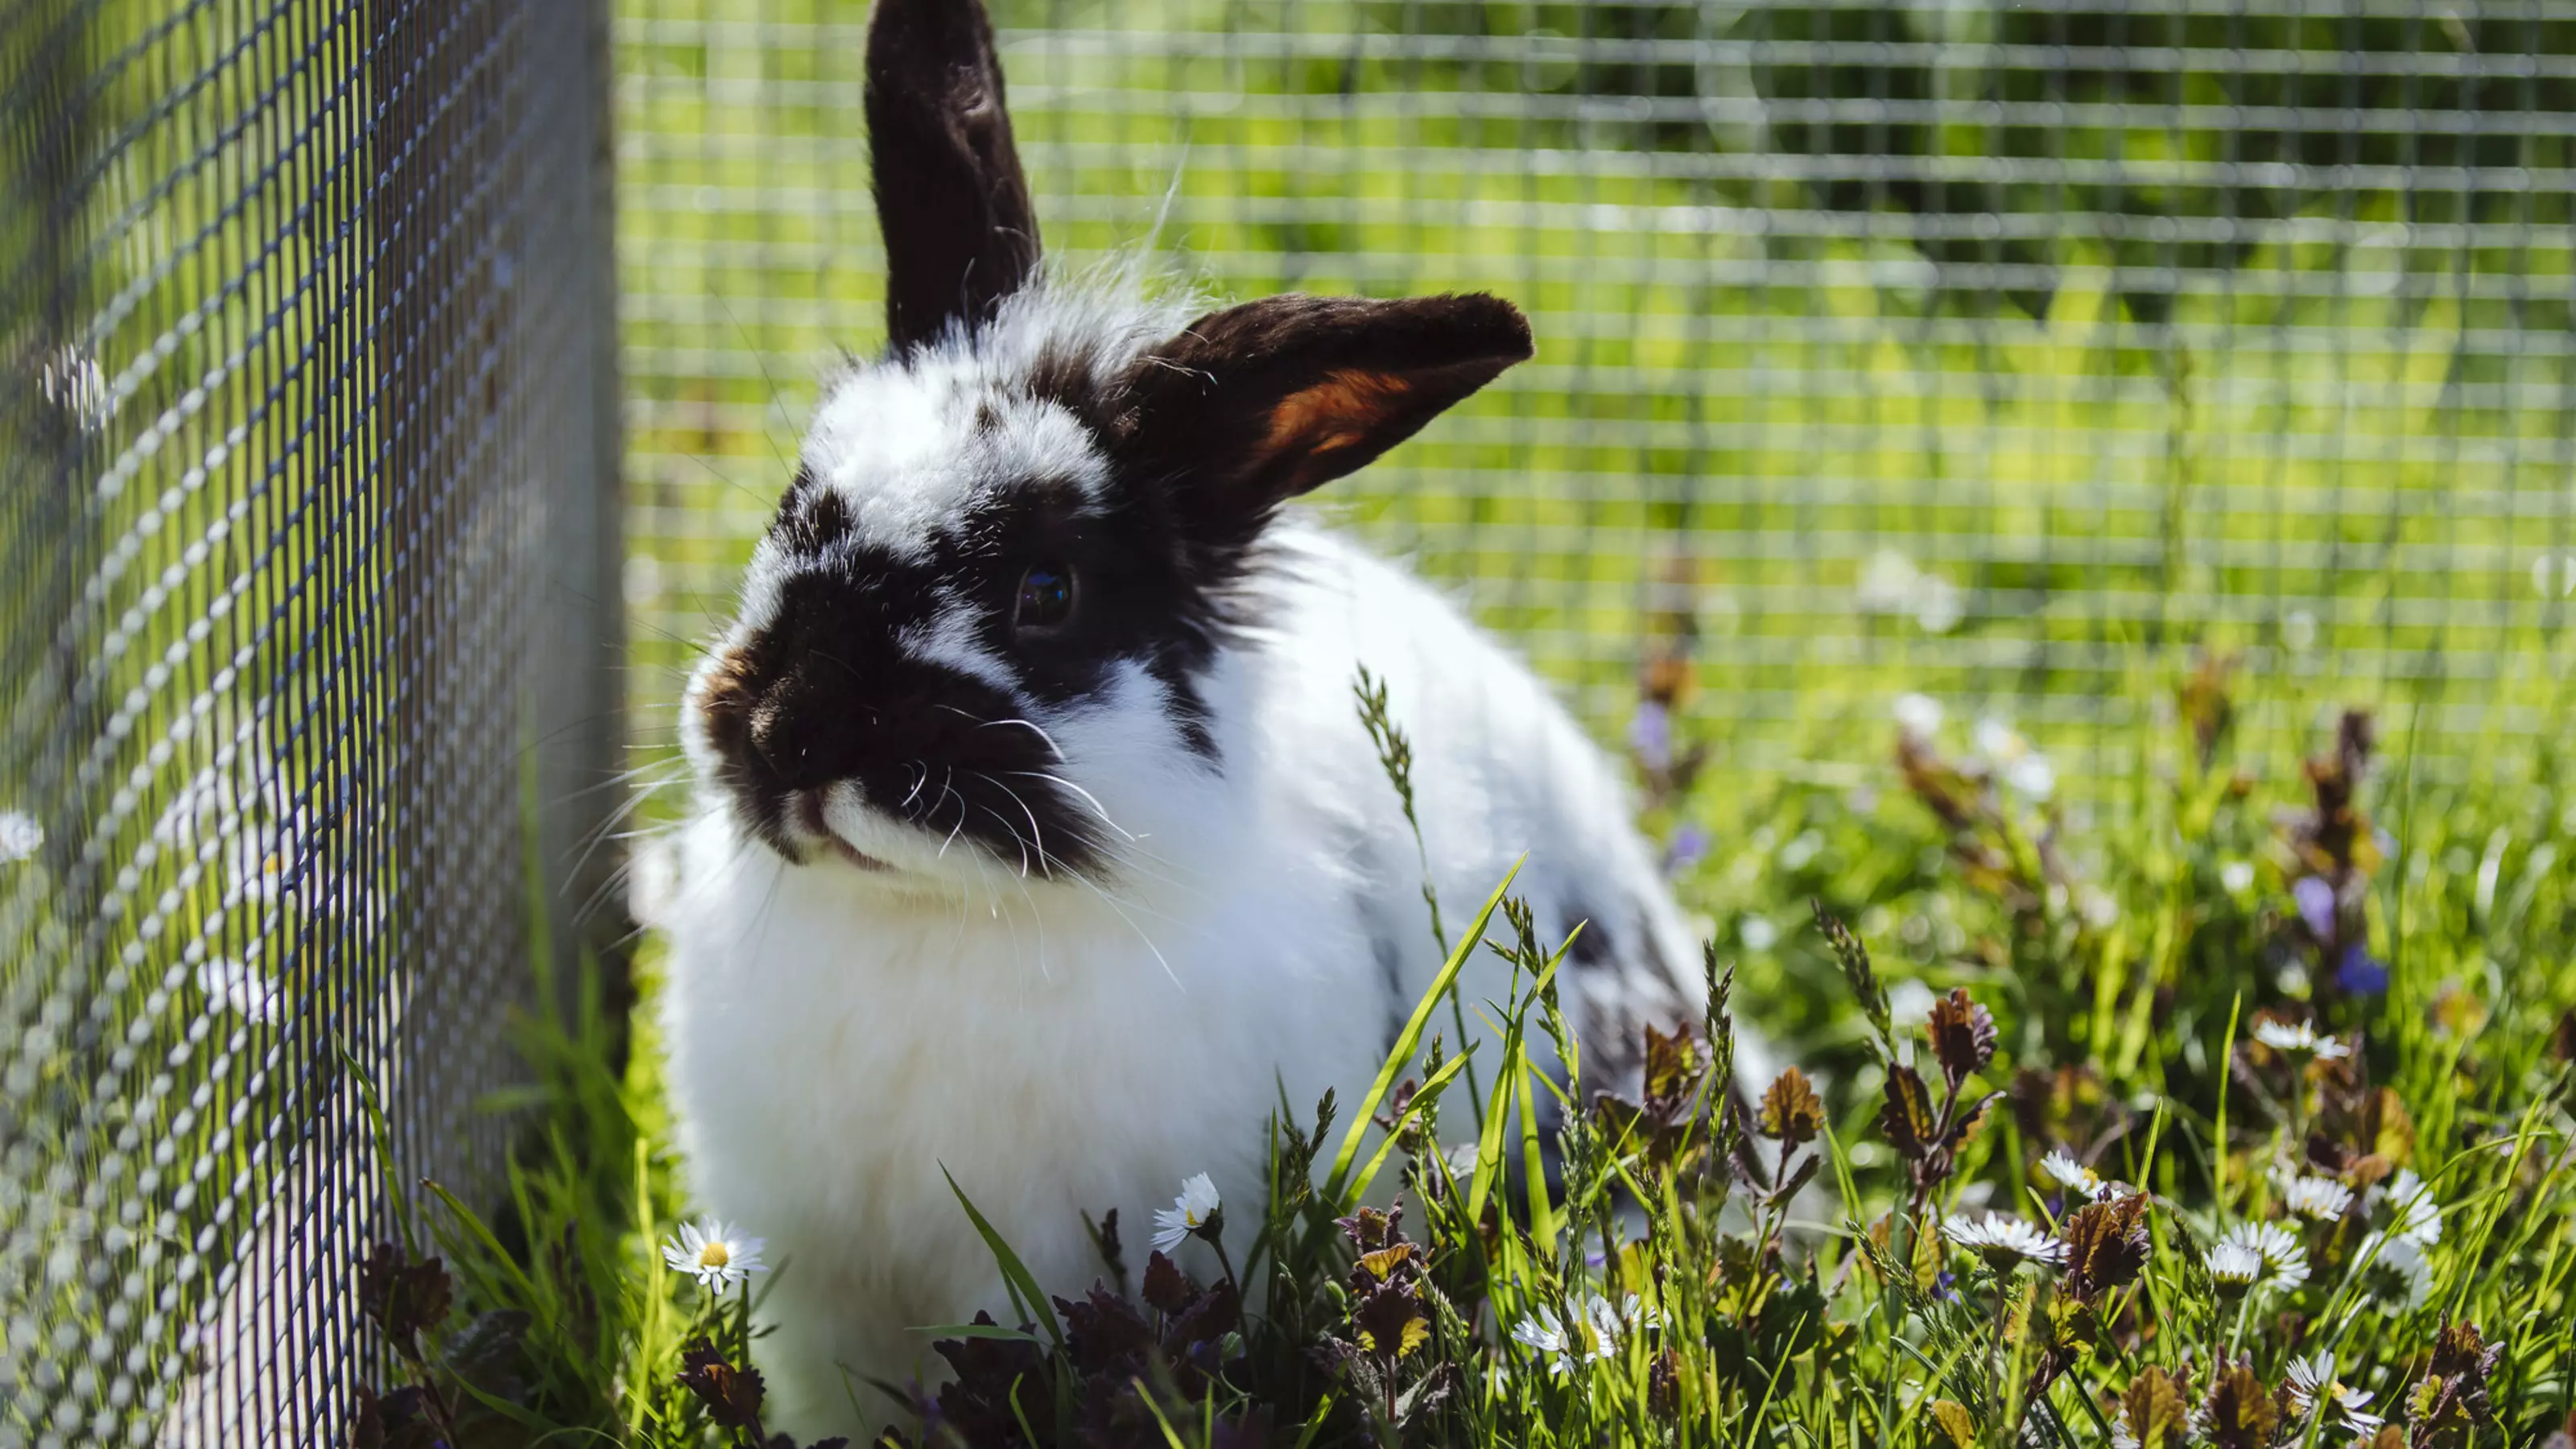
pixel 2316 905
pixel 1688 845
pixel 2361 973
pixel 1650 734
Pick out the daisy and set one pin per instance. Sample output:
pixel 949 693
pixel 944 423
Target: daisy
pixel 1918 715
pixel 1193 1212
pixel 715 1253
pixel 1461 1160
pixel 1592 1334
pixel 2074 1176
pixel 233 986
pixel 2419 1218
pixel 2284 1260
pixel 2400 1262
pixel 1543 1334
pixel 2235 1265
pixel 2321 1198
pixel 73 381
pixel 1998 1236
pixel 2313 1386
pixel 20 836
pixel 1610 1324
pixel 2298 1038
pixel 259 861
pixel 2021 767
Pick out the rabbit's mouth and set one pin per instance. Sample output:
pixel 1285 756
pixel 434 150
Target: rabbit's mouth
pixel 809 815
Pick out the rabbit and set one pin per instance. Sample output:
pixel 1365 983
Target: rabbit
pixel 1036 842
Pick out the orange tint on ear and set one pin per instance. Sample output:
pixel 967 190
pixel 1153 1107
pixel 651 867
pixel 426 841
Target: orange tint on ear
pixel 1250 406
pixel 1346 410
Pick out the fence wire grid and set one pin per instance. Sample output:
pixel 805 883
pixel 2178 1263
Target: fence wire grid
pixel 307 425
pixel 2006 352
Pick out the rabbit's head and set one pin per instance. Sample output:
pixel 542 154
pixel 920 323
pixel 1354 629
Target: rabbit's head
pixel 983 622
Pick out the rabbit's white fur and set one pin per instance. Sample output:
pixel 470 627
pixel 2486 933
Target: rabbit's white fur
pixel 838 1037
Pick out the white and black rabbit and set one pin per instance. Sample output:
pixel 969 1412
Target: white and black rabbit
pixel 1036 837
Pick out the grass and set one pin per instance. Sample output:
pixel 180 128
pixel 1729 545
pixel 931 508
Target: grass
pixel 1970 981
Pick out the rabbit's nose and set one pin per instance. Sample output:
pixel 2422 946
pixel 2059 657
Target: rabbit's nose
pixel 785 749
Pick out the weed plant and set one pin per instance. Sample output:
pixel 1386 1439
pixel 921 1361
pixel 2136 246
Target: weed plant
pixel 2240 1118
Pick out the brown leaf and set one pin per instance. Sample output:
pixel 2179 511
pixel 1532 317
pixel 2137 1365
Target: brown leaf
pixel 1956 1422
pixel 1168 1290
pixel 404 1299
pixel 2106 1246
pixel 2240 1411
pixel 1390 1322
pixel 1383 1263
pixel 1673 1069
pixel 1908 1118
pixel 1369 1230
pixel 2454 1395
pixel 732 1395
pixel 2459 1350
pixel 1664 1386
pixel 2153 1409
pixel 1963 1035
pixel 1792 1115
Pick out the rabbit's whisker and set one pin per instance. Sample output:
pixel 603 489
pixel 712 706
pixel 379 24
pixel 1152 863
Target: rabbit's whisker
pixel 1034 829
pixel 1094 801
pixel 1014 832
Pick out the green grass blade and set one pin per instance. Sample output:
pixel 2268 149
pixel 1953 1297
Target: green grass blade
pixel 1408 1042
pixel 1015 1272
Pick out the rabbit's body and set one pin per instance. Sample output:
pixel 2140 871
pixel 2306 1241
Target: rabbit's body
pixel 1062 1053
pixel 1037 836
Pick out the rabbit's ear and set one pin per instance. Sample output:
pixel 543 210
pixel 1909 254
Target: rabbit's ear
pixel 1253 405
pixel 960 234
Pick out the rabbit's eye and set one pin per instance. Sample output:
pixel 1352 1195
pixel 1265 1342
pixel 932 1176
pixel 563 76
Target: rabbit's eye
pixel 1046 597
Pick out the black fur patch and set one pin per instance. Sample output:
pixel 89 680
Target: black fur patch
pixel 827 696
pixel 960 233
pixel 1598 945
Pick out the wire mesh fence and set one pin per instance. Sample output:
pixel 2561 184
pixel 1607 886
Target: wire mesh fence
pixel 307 426
pixel 2006 352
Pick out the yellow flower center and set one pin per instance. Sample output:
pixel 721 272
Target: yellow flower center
pixel 714 1255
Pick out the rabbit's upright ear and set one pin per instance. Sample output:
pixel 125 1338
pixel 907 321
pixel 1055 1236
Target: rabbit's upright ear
pixel 1253 405
pixel 960 234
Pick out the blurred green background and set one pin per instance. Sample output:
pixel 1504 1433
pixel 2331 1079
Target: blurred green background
pixel 1995 352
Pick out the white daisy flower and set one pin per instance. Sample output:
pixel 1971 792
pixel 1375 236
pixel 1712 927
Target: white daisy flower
pixel 1461 1161
pixel 1594 1333
pixel 2236 1265
pixel 2021 767
pixel 1543 1334
pixel 20 836
pixel 715 1253
pixel 1918 715
pixel 2298 1038
pixel 2320 1198
pixel 234 986
pixel 2075 1177
pixel 2284 1258
pixel 259 862
pixel 72 380
pixel 1192 1211
pixel 2313 1386
pixel 2418 1217
pixel 2399 1263
pixel 1999 1236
